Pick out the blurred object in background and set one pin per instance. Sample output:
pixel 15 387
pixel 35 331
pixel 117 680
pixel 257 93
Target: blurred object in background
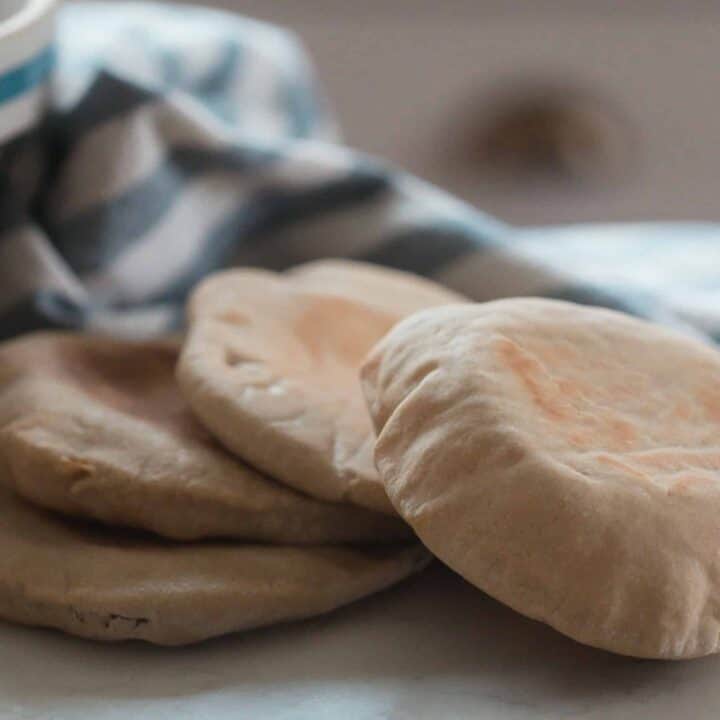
pixel 400 74
pixel 530 133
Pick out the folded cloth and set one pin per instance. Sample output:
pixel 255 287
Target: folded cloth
pixel 183 140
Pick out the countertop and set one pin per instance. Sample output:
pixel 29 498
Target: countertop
pixel 433 647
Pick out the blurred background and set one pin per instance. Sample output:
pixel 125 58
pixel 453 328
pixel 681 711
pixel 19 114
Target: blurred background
pixel 536 112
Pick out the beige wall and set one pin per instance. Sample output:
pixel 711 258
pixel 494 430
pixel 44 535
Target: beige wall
pixel 403 75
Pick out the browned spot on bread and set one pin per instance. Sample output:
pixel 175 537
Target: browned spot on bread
pixel 622 432
pixel 75 468
pixel 555 388
pixel 693 468
pixel 710 401
pixel 532 374
pixel 234 317
pixel 569 388
pixel 580 439
pixel 233 358
pixel 688 482
pixel 332 327
pixel 618 464
pixel 560 353
pixel 682 410
pixel 669 460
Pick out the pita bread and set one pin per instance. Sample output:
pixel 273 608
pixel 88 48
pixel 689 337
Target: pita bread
pixel 98 428
pixel 99 584
pixel 565 460
pixel 394 291
pixel 270 367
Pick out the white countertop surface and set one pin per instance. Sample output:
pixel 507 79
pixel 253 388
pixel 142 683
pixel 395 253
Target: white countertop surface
pixel 432 648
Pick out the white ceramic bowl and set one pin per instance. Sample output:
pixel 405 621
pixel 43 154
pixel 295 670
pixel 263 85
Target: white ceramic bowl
pixel 26 59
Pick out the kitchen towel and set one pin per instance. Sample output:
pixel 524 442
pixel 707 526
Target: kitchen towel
pixel 182 140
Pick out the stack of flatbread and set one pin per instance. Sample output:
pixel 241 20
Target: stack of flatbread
pixel 182 488
pixel 284 457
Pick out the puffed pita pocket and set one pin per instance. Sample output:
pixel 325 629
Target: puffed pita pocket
pixel 564 459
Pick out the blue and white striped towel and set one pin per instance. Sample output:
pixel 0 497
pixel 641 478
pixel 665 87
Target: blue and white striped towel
pixel 184 140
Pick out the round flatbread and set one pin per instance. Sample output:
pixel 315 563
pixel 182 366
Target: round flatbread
pixel 391 291
pixel 270 366
pixel 98 428
pixel 563 459
pixel 101 584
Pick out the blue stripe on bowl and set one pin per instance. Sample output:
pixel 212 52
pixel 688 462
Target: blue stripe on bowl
pixel 25 77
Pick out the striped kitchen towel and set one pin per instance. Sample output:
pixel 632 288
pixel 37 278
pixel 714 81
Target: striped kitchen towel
pixel 182 140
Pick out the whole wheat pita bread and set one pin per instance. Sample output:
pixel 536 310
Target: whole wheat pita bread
pixel 270 366
pixel 98 428
pixel 565 460
pixel 101 584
